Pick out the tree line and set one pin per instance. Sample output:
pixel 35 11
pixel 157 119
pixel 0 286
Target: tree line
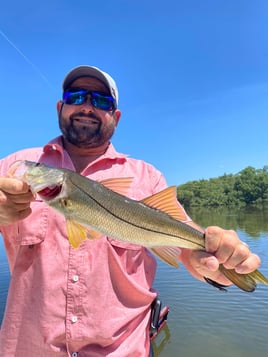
pixel 249 186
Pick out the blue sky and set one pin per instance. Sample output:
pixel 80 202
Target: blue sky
pixel 192 77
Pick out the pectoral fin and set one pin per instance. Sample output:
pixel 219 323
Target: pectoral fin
pixel 77 233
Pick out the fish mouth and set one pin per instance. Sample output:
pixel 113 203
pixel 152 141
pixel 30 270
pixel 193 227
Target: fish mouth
pixel 42 183
pixel 49 192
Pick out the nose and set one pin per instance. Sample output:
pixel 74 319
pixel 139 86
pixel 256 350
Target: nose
pixel 87 103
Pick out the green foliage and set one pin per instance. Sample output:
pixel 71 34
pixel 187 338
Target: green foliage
pixel 249 186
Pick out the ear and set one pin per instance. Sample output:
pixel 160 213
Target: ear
pixel 59 106
pixel 117 115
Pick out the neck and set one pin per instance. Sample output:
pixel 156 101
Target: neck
pixel 81 158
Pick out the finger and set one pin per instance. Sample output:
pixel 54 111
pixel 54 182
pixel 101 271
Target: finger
pixel 20 198
pixel 240 254
pixel 15 216
pixel 18 207
pixel 3 197
pixel 13 186
pixel 221 242
pixel 213 236
pixel 250 264
pixel 203 262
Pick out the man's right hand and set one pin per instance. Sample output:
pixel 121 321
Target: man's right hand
pixel 15 199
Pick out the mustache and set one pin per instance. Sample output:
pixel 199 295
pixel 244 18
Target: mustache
pixel 85 115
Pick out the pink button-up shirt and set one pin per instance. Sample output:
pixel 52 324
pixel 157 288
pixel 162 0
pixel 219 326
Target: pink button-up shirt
pixel 92 301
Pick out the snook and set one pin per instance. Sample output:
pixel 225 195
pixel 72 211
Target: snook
pixel 93 209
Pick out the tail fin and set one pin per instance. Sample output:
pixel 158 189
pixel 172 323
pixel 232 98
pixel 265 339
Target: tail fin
pixel 246 282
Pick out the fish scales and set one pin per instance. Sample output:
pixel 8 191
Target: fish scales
pixel 92 209
pixel 119 216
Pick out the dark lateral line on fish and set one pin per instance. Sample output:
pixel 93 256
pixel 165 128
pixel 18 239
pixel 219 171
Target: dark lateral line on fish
pixel 133 224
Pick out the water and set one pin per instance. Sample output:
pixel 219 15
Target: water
pixel 203 321
pixel 4 278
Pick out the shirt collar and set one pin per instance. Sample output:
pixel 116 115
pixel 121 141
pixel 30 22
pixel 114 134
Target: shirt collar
pixel 55 146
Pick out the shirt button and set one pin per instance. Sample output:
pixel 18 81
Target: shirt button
pixel 75 278
pixel 74 354
pixel 74 319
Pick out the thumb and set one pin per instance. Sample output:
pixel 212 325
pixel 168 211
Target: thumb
pixel 204 262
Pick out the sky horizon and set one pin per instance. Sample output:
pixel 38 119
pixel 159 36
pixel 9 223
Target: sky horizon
pixel 192 78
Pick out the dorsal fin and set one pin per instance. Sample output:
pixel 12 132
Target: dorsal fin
pixel 119 185
pixel 166 201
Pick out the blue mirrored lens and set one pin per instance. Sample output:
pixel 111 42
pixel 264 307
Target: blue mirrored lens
pixel 75 98
pixel 102 101
pixel 97 100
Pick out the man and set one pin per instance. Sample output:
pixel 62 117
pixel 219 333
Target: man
pixel 94 300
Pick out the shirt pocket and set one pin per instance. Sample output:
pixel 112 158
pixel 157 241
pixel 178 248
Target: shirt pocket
pixel 33 229
pixel 133 261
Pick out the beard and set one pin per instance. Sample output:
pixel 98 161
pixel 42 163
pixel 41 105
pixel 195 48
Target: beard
pixel 86 136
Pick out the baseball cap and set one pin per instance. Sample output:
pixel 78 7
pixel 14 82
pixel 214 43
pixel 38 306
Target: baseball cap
pixel 91 71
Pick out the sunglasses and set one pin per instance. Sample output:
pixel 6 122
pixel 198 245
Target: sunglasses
pixel 97 99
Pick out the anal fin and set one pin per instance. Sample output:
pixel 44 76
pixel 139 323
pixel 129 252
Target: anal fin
pixel 169 255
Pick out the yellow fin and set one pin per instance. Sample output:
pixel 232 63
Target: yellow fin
pixel 259 277
pixel 246 282
pixel 119 185
pixel 76 233
pixel 166 201
pixel 169 255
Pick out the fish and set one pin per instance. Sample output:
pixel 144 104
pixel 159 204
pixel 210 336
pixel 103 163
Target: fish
pixel 93 209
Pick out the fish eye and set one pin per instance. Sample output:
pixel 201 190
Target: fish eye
pixel 65 202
